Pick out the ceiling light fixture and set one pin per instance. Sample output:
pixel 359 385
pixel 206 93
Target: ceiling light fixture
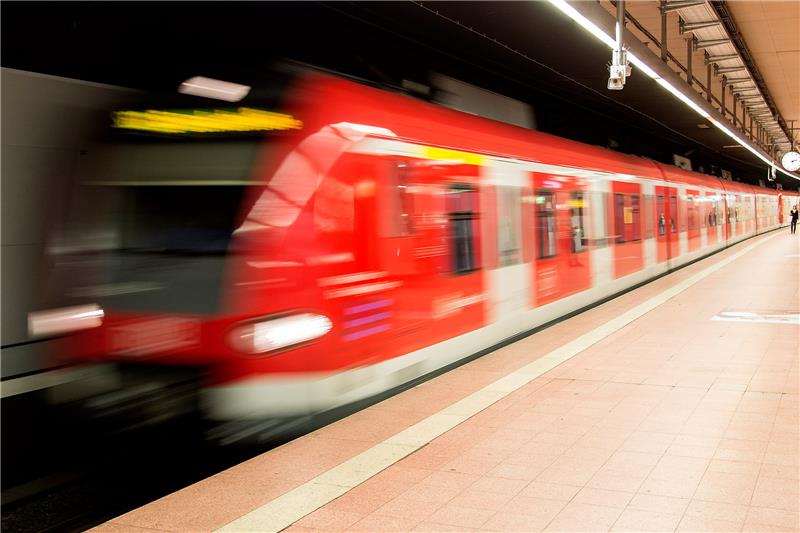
pixel 211 88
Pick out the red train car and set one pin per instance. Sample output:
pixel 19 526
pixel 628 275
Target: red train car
pixel 368 240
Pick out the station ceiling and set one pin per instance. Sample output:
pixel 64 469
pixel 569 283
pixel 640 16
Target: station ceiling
pixel 525 50
pixel 543 34
pixel 771 30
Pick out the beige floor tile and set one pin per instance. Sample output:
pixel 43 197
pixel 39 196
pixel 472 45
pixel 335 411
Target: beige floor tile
pixel 673 488
pixel 788 520
pixel 499 485
pixel 460 516
pixel 504 522
pixel 606 498
pixel 477 499
pixel 524 472
pixel 659 504
pixel 776 493
pixel 550 491
pixel 431 494
pixel 357 503
pixel 726 488
pixel 541 507
pixel 635 520
pixel 403 507
pixel 780 471
pixel 450 480
pixel 329 520
pixel 622 480
pixel 692 524
pixel 717 511
pixel 582 517
pixel 733 467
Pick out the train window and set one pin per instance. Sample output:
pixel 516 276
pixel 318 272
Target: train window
pixel 636 221
pixel 690 211
pixel 619 217
pixel 701 205
pixel 662 219
pixel 711 219
pixel 673 213
pixel 545 224
pixel 462 204
pixel 509 243
pixel 716 218
pixel 399 202
pixel 579 239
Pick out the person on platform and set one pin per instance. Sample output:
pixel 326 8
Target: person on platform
pixel 793 214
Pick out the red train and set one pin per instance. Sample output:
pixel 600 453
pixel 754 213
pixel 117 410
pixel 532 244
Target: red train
pixel 367 240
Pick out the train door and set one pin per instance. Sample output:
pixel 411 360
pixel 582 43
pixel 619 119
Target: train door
pixel 457 289
pixel 693 219
pixel 627 227
pixel 561 213
pixel 431 249
pixel 730 226
pixel 738 214
pixel 759 212
pixel 508 282
pixel 667 222
pixel 780 208
pixel 712 221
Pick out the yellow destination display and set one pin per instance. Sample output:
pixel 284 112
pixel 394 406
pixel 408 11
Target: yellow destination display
pixel 445 154
pixel 200 121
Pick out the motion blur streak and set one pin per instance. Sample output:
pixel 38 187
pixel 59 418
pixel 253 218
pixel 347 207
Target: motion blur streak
pixel 263 272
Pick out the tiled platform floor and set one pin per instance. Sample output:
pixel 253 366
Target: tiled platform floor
pixel 673 423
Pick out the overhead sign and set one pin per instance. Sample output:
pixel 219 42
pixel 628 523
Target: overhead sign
pixel 242 119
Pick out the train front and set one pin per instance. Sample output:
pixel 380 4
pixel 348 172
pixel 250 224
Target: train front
pixel 187 259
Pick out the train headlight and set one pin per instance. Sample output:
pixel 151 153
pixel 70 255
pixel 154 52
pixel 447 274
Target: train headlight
pixel 276 333
pixel 64 320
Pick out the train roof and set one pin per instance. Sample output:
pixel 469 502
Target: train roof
pixel 351 102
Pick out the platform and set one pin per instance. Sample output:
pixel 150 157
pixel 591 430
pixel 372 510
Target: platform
pixel 672 407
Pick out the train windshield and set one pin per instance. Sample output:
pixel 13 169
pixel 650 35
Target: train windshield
pixel 151 221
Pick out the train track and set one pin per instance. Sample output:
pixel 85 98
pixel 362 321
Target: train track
pixel 99 477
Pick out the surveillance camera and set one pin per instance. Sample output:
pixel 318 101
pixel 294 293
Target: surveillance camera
pixel 616 84
pixel 616 77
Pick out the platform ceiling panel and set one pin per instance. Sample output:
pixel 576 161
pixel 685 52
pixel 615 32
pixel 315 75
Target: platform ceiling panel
pixel 771 30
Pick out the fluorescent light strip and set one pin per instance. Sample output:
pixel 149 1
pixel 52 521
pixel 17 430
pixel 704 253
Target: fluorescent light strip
pixel 641 65
pixel 585 23
pixel 592 28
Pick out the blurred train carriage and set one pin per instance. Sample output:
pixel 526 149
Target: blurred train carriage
pixel 351 240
